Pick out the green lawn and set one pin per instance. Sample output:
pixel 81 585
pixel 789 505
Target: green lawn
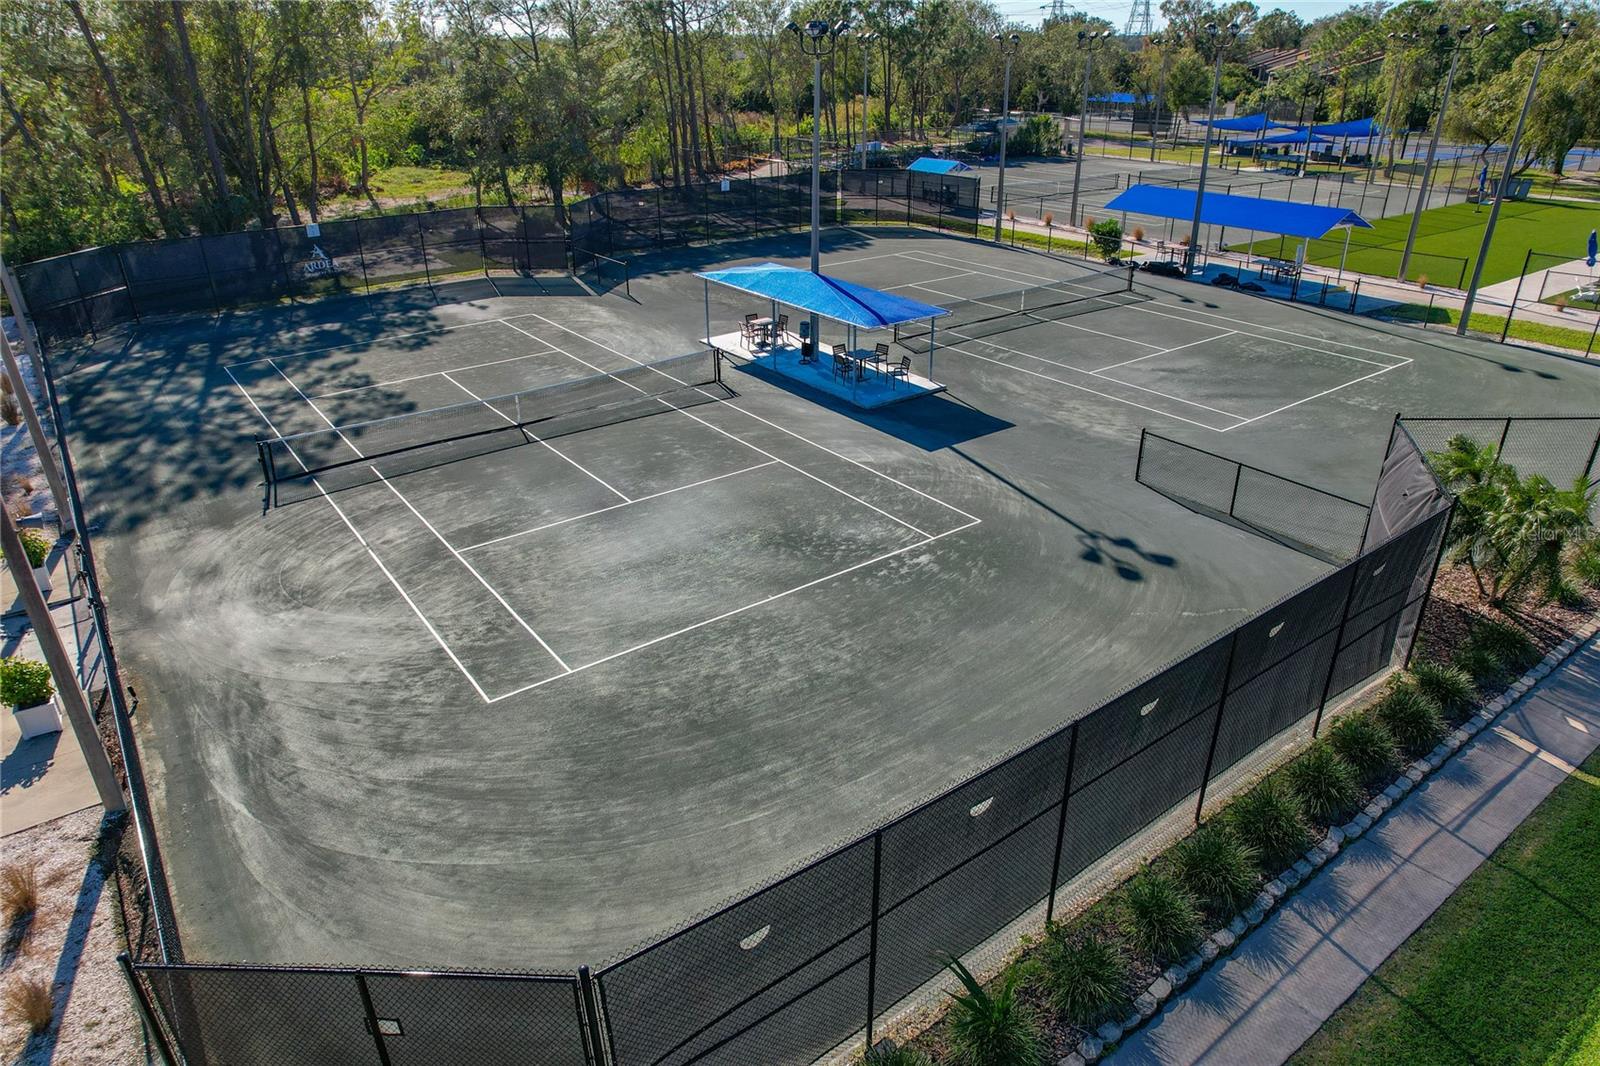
pixel 1507 971
pixel 1448 239
pixel 1535 332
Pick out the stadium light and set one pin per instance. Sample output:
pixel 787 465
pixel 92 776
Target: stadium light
pixel 1008 48
pixel 1086 41
pixel 1214 32
pixel 817 39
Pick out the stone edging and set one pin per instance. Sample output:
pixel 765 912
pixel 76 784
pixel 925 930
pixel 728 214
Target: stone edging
pixel 1166 987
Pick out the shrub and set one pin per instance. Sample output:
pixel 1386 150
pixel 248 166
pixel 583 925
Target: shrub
pixel 1564 591
pixel 35 545
pixel 1412 718
pixel 24 682
pixel 1138 233
pixel 1449 686
pixel 10 411
pixel 1507 643
pixel 1268 818
pixel 1586 564
pixel 1325 783
pixel 1482 664
pixel 890 1054
pixel 1086 978
pixel 1217 867
pixel 1107 237
pixel 992 1027
pixel 1161 916
pixel 19 890
pixel 28 1003
pixel 1366 745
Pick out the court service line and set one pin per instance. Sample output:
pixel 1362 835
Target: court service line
pixel 1164 351
pixel 448 546
pixel 1187 312
pixel 1324 392
pixel 432 374
pixel 741 610
pixel 538 439
pixel 616 506
pixel 758 450
pixel 767 421
pixel 438 639
pixel 374 340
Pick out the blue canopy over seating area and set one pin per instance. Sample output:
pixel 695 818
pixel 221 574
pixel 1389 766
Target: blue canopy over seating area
pixel 930 164
pixel 1249 124
pixel 1361 127
pixel 796 355
pixel 1242 212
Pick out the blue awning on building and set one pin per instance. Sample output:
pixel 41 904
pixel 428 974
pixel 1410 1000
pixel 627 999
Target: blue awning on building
pixel 1250 124
pixel 934 165
pixel 832 298
pixel 1241 212
pixel 1361 127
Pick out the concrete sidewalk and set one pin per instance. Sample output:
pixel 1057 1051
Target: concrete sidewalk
pixel 1288 976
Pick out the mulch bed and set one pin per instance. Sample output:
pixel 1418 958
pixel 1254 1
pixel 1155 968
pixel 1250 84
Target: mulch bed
pixel 1456 605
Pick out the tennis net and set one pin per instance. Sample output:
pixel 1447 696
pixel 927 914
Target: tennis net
pixel 362 452
pixel 985 316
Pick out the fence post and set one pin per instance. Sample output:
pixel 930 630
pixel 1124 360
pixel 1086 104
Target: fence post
pixel 1216 730
pixel 211 282
pixel 1595 448
pixel 591 1014
pixel 372 1019
pixel 422 243
pixel 361 254
pixel 1438 557
pixel 147 1013
pixel 1066 793
pixel 872 937
pixel 1512 310
pixel 1338 639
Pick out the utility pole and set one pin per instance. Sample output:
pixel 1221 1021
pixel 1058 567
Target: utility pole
pixel 1457 38
pixel 1008 48
pixel 1086 41
pixel 1161 88
pixel 1531 29
pixel 1215 33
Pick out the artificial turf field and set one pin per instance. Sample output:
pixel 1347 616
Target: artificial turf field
pixel 1453 234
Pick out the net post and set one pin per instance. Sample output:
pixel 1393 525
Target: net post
pixel 1061 825
pixel 1216 729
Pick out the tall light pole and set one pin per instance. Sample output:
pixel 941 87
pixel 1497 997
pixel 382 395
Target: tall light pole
pixel 817 40
pixel 1530 28
pixel 1458 40
pixel 1215 33
pixel 1161 88
pixel 1086 41
pixel 1386 130
pixel 866 67
pixel 1008 47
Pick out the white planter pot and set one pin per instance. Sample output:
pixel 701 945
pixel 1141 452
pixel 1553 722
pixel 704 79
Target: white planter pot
pixel 39 719
pixel 41 577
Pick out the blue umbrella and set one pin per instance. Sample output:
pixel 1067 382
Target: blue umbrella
pixel 1594 248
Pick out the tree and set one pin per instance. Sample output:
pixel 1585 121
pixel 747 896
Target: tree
pixel 1278 29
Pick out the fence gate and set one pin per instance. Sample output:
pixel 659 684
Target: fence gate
pixel 302 1016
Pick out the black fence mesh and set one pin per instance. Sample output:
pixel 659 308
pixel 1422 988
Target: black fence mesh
pixel 1308 519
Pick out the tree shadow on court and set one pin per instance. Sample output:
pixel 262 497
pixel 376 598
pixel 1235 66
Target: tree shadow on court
pixel 931 423
pixel 1122 554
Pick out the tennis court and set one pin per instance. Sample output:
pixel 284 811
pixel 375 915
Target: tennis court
pixel 572 633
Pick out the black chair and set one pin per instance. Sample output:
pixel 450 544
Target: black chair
pixel 780 330
pixel 903 370
pixel 879 357
pixel 842 365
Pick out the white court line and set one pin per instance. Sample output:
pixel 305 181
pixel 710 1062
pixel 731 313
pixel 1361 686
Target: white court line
pixel 363 542
pixel 751 414
pixel 374 340
pixel 1085 388
pixel 432 374
pixel 1307 399
pixel 1087 297
pixel 1146 309
pixel 615 506
pixel 448 546
pixel 930 281
pixel 740 610
pixel 759 451
pixel 1164 351
pixel 536 438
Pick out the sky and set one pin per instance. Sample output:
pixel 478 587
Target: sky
pixel 1116 11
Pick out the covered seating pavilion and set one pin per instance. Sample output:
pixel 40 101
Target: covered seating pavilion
pixel 849 370
pixel 1251 213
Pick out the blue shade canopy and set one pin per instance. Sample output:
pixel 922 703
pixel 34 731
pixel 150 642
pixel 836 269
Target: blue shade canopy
pixel 1298 137
pixel 1242 212
pixel 841 301
pixel 1360 127
pixel 1249 124
pixel 1121 98
pixel 933 165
